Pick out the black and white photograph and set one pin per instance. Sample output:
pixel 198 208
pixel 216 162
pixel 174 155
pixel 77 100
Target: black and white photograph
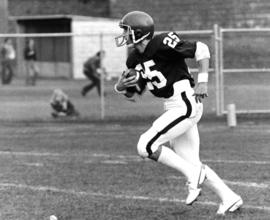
pixel 135 110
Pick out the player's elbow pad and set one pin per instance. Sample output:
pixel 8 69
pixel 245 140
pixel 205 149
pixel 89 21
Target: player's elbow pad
pixel 202 51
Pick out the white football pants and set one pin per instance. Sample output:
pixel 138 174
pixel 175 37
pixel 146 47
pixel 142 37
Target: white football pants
pixel 177 125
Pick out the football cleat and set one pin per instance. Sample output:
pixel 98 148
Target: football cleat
pixel 194 190
pixel 193 194
pixel 232 205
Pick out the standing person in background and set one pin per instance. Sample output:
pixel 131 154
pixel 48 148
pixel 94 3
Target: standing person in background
pixel 30 61
pixel 8 56
pixel 92 70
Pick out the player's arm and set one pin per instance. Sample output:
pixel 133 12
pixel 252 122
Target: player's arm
pixel 131 82
pixel 197 50
pixel 202 56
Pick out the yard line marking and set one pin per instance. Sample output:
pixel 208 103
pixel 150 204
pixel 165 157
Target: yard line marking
pixel 32 153
pixel 33 164
pixel 117 196
pixel 128 157
pixel 238 161
pixel 71 133
pixel 249 184
pixel 207 160
pixel 118 156
pixel 124 162
pixel 236 183
pixel 114 162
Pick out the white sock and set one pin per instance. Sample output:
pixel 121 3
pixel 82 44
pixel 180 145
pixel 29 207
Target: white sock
pixel 216 184
pixel 173 160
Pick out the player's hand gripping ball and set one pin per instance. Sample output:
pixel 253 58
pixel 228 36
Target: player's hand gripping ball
pixel 132 73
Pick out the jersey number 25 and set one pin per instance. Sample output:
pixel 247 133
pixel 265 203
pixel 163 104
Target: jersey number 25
pixel 171 40
pixel 156 77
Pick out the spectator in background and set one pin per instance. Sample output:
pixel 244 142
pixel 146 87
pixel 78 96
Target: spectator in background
pixel 92 70
pixel 30 61
pixel 61 105
pixel 8 56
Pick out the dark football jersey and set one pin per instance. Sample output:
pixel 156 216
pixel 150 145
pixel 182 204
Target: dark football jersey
pixel 163 63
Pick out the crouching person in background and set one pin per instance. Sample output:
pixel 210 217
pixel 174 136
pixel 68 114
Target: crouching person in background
pixel 61 105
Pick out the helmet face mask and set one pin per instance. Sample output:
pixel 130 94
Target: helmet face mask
pixel 125 38
pixel 137 26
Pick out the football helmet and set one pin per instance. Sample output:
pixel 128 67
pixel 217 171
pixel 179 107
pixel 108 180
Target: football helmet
pixel 137 26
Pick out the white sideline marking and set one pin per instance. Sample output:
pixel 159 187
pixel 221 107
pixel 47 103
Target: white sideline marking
pixel 114 162
pixel 235 183
pixel 33 164
pixel 117 196
pixel 249 184
pixel 122 161
pixel 207 160
pixel 239 161
pixel 32 153
pixel 126 157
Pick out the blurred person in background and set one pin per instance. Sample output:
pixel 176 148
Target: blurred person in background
pixel 62 105
pixel 30 62
pixel 93 70
pixel 8 55
pixel 158 63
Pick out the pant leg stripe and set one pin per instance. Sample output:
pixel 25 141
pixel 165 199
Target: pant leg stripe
pixel 172 124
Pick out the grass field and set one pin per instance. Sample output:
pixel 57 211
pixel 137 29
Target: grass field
pixel 86 169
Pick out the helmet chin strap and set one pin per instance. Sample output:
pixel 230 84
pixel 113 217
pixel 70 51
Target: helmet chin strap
pixel 140 39
pixel 141 46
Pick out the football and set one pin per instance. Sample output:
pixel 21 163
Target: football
pixel 132 72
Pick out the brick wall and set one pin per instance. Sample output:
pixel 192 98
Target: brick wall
pixel 50 7
pixel 198 14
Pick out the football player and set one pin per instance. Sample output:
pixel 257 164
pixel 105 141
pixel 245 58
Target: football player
pixel 160 62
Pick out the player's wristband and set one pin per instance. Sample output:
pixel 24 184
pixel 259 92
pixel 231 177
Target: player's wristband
pixel 116 90
pixel 202 77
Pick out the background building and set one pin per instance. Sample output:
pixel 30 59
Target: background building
pixel 63 56
pixel 59 56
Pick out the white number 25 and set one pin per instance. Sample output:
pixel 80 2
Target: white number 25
pixel 156 77
pixel 171 40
